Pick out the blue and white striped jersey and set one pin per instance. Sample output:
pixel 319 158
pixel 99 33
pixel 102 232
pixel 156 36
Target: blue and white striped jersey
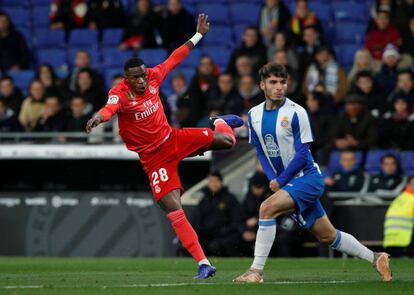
pixel 278 136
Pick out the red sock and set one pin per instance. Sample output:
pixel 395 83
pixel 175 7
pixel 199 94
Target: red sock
pixel 223 128
pixel 186 234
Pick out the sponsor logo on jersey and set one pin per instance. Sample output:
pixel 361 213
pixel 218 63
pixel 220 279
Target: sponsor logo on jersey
pixel 271 146
pixel 152 90
pixel 113 99
pixel 285 122
pixel 148 112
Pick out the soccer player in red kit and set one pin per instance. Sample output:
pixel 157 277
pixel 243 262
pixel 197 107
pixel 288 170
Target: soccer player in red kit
pixel 144 128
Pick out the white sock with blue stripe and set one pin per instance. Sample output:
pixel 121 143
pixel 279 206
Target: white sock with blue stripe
pixel 264 242
pixel 347 244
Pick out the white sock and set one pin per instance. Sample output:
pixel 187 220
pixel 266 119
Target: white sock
pixel 347 243
pixel 204 261
pixel 264 242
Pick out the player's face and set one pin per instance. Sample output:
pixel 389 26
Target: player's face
pixel 137 78
pixel 274 88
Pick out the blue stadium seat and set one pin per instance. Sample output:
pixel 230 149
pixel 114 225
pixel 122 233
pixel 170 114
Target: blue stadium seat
pixel 238 31
pixel 217 13
pixel 113 57
pixel 153 57
pixel 333 164
pixel 373 160
pixel 111 37
pixel 322 10
pixel 83 38
pixel 350 32
pixel 19 16
pixel 407 162
pixel 350 11
pixel 57 58
pixel 110 73
pixel 345 54
pixel 192 59
pixel 15 3
pixel 93 53
pixel 27 35
pixel 219 54
pixel 22 79
pixel 219 35
pixel 40 16
pixel 245 13
pixel 187 72
pixel 48 38
pixel 40 2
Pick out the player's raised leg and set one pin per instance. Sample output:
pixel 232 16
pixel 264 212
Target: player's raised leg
pixel 277 204
pixel 171 204
pixel 346 243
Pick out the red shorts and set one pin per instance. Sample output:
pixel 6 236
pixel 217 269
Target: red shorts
pixel 161 165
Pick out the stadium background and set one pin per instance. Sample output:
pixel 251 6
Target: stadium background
pixel 92 198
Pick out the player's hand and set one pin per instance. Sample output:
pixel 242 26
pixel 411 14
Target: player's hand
pixel 274 185
pixel 202 25
pixel 93 122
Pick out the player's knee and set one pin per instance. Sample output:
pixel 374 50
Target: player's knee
pixel 327 237
pixel 267 210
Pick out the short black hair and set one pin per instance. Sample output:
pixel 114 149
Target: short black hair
pixel 388 155
pixel 133 63
pixel 364 74
pixel 217 174
pixel 273 69
pixel 406 71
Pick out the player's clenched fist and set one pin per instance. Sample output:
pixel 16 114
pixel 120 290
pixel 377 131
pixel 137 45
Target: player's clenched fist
pixel 93 122
pixel 202 24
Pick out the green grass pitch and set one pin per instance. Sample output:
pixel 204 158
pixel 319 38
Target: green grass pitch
pixel 175 276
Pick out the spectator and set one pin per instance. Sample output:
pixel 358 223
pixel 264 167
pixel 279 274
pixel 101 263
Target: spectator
pixel 280 42
pixel 244 66
pixel 349 177
pixel 302 18
pixel 227 93
pixel 105 14
pixel 398 226
pixel 397 128
pixel 68 14
pixel 53 118
pixel 280 57
pixel 178 26
pixel 14 54
pixel 92 94
pixel 355 128
pixel 325 69
pixel 46 74
pixel 405 12
pixel 202 85
pixel 374 98
pixel 405 86
pixel 8 119
pixel 79 114
pixel 10 95
pixel 384 5
pixel 274 16
pixel 249 92
pixel 218 220
pixel 390 177
pixel 257 193
pixel 362 62
pixel 383 33
pixel 253 47
pixel 141 27
pixel 179 87
pixel 83 61
pixel 33 106
pixel 407 46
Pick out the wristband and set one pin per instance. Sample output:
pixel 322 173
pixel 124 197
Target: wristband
pixel 196 38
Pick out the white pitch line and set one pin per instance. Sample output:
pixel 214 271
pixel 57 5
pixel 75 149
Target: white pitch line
pixel 163 285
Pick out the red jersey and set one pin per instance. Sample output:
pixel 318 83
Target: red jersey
pixel 143 125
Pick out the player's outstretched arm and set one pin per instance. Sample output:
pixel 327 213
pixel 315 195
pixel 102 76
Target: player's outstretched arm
pixel 202 29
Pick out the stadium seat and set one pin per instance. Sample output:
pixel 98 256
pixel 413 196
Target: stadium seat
pixel 217 13
pixel 350 11
pixel 219 54
pixel 14 3
pixel 333 164
pixel 40 16
pixel 39 2
pixel 407 162
pixel 83 38
pixel 113 57
pixel 57 58
pixel 47 38
pixel 373 160
pixel 111 37
pixel 238 31
pixel 27 35
pixel 345 54
pixel 322 10
pixel 153 57
pixel 22 79
pixel 20 17
pixel 187 72
pixel 355 32
pixel 110 73
pixel 192 58
pixel 245 13
pixel 219 35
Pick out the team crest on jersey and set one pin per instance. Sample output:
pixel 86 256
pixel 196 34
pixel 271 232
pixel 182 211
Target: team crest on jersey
pixel 152 90
pixel 285 122
pixel 113 99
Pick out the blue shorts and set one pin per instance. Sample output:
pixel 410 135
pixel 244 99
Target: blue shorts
pixel 306 192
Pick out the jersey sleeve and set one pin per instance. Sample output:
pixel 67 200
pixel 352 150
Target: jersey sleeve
pixel 171 62
pixel 254 140
pixel 113 105
pixel 301 126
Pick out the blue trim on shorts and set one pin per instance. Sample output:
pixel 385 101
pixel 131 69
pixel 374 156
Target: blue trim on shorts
pixel 266 222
